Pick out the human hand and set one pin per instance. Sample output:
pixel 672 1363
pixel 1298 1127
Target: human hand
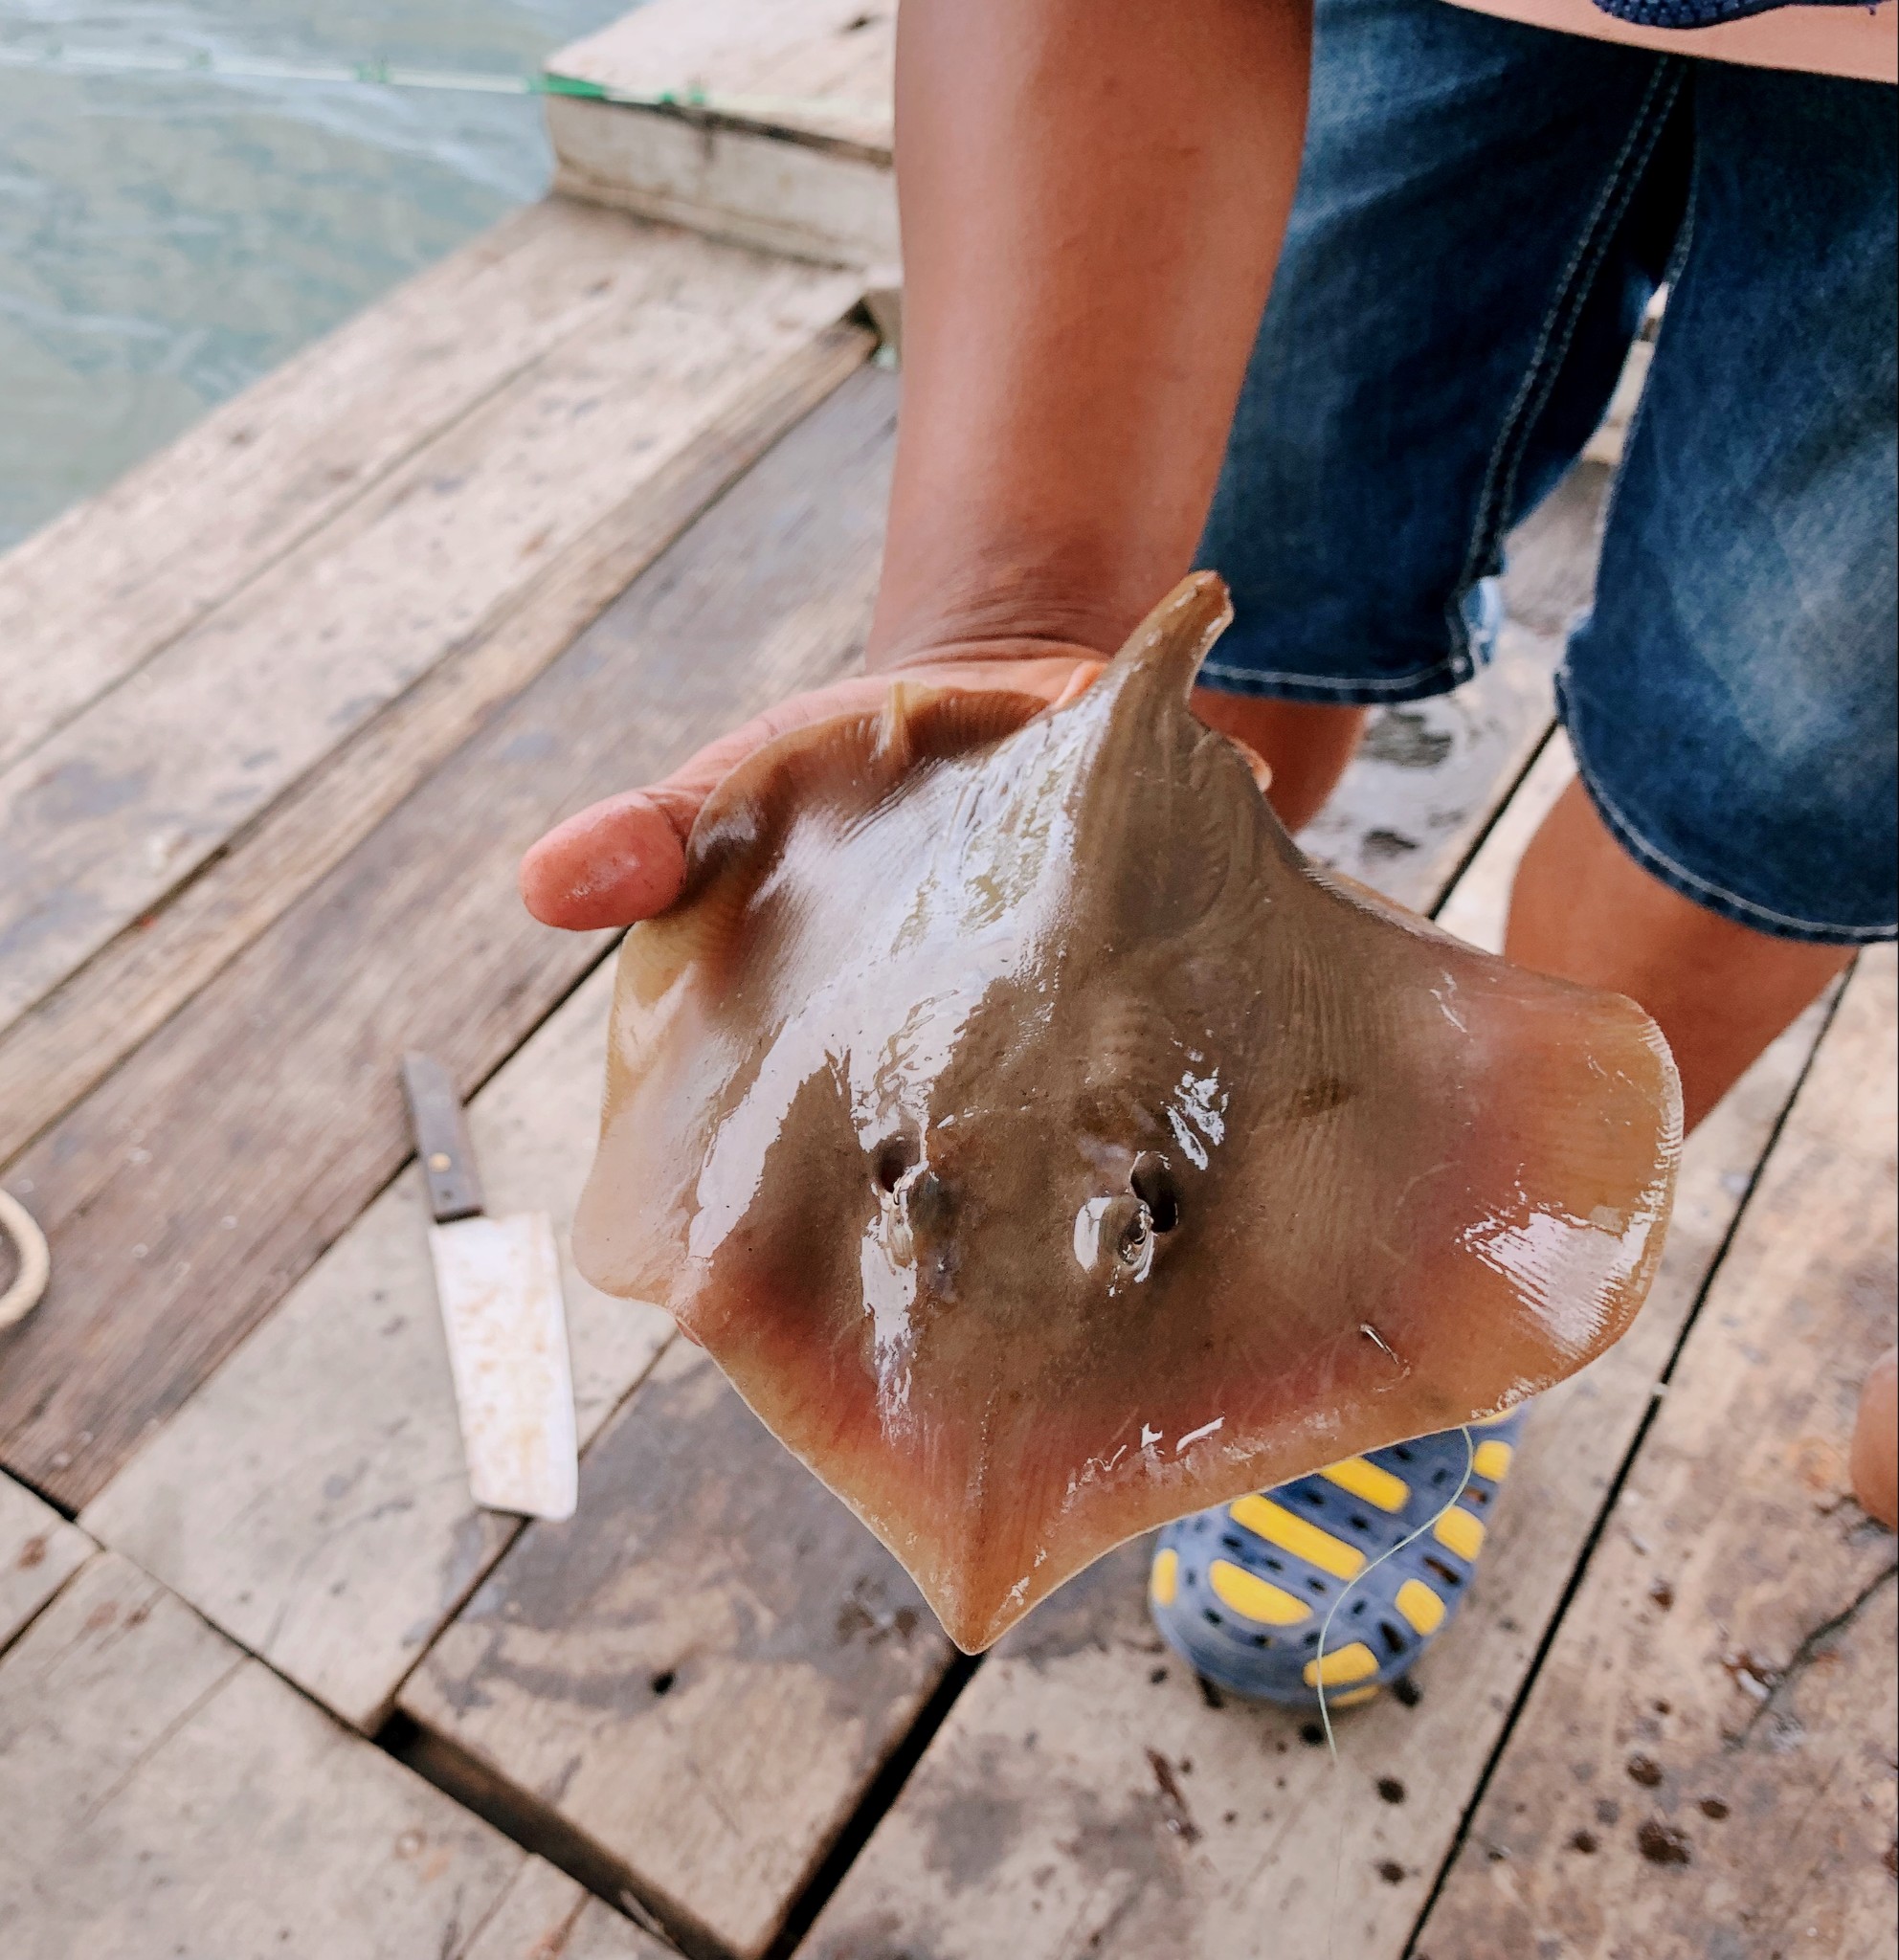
pixel 623 859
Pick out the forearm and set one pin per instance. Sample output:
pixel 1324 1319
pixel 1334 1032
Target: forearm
pixel 1093 196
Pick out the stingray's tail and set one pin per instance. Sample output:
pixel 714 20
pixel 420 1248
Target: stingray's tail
pixel 1172 640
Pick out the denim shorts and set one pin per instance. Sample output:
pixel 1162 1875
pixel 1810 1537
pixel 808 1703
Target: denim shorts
pixel 1484 212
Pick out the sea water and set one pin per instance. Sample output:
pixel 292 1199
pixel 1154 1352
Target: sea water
pixel 164 239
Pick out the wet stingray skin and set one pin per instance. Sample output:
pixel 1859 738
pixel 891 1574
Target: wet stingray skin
pixel 1045 1150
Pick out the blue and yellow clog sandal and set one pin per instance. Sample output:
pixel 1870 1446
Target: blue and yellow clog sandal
pixel 1243 1592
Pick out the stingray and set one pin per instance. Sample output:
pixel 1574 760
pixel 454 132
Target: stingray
pixel 1044 1148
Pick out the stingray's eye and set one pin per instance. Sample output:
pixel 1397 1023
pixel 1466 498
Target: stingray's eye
pixel 1120 1226
pixel 1151 1181
pixel 1137 1238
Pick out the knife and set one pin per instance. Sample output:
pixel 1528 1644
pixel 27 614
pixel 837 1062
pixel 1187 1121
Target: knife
pixel 499 1284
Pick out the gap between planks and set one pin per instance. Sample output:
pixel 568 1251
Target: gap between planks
pixel 39 1551
pixel 160 1792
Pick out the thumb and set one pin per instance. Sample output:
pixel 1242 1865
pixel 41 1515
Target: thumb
pixel 615 861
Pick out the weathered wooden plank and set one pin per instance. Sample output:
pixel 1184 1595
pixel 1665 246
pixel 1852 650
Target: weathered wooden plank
pixel 1429 775
pixel 815 72
pixel 76 1035
pixel 728 184
pixel 116 809
pixel 544 1915
pixel 1705 1764
pixel 39 1551
pixel 1083 1789
pixel 700 1673
pixel 88 599
pixel 162 1795
pixel 794 151
pixel 270 1099
pixel 310 1498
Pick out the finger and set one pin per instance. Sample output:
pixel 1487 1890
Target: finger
pixel 612 863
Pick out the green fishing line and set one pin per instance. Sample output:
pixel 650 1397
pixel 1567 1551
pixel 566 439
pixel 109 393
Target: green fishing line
pixel 58 59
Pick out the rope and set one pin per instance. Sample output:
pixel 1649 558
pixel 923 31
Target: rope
pixel 17 1223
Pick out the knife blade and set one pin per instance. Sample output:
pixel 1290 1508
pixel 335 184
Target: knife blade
pixel 498 1281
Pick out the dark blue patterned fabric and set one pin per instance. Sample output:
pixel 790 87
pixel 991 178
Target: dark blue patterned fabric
pixel 1690 13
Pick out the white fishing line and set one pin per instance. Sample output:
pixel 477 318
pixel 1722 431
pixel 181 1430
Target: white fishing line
pixel 1430 1524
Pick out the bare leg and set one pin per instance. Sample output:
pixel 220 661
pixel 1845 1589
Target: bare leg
pixel 1306 746
pixel 1585 910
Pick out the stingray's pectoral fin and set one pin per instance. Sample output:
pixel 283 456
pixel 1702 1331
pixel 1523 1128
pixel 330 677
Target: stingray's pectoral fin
pixel 1594 1101
pixel 1535 1248
pixel 1171 641
pixel 626 1231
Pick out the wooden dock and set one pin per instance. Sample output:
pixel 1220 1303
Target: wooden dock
pixel 281 710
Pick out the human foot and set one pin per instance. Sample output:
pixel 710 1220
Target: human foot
pixel 1369 1558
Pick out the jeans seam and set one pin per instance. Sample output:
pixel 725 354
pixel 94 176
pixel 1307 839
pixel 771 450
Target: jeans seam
pixel 1658 862
pixel 1545 361
pixel 1678 260
pixel 1265 677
